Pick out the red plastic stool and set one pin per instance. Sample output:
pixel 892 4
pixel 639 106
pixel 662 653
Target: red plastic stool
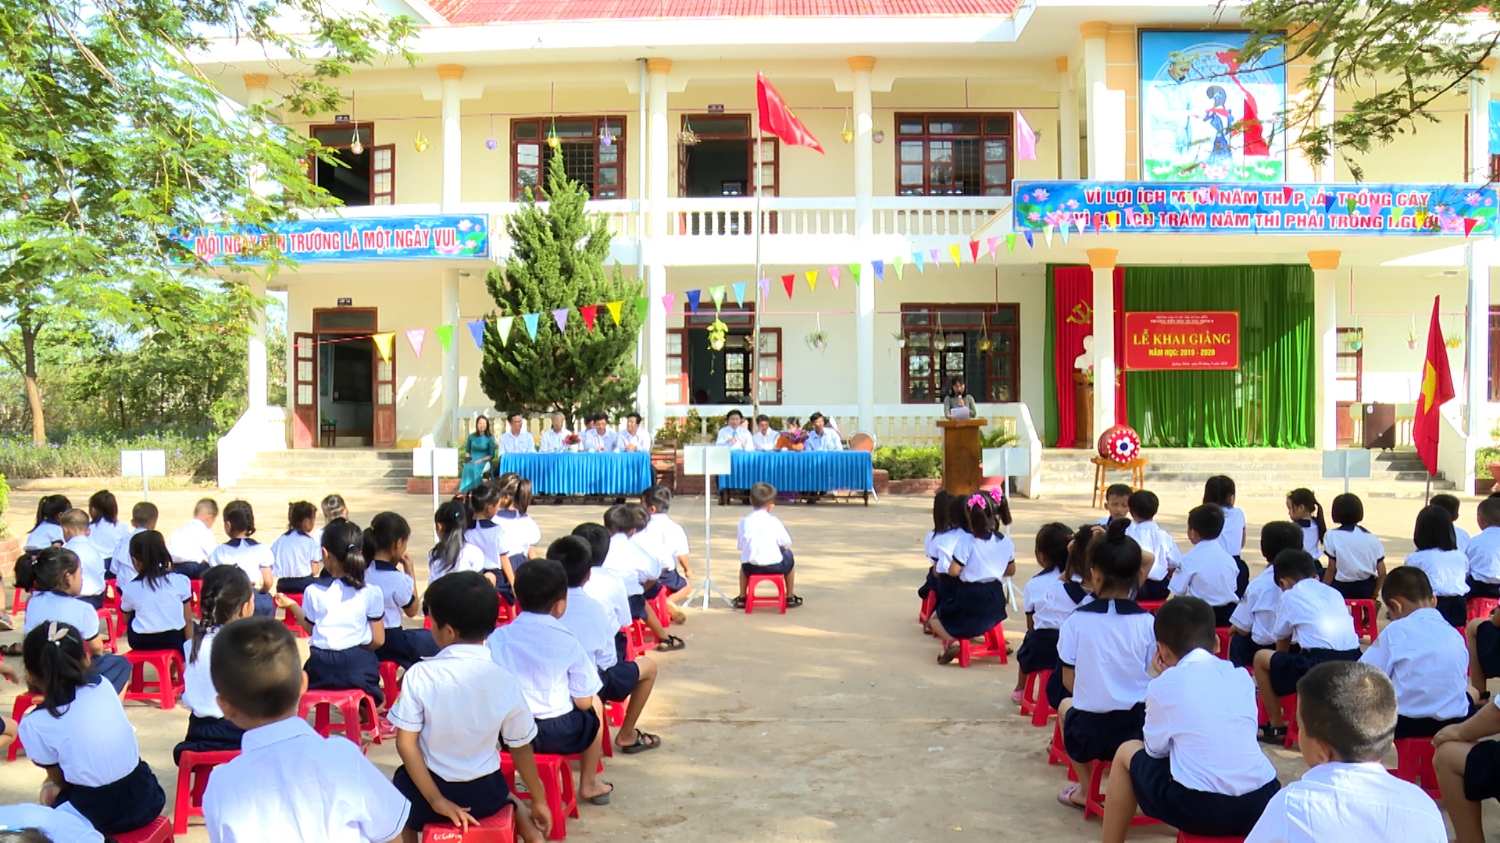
pixel 557 782
pixel 1184 837
pixel 506 614
pixel 291 620
pixel 196 602
pixel 1093 801
pixel 111 596
pixel 993 646
pixel 169 672
pixel 192 779
pixel 159 831
pixel 639 638
pixel 24 702
pixel 390 683
pixel 1479 607
pixel 929 604
pixel 1034 698
pixel 109 630
pixel 350 704
pixel 496 828
pixel 18 602
pixel 1363 612
pixel 1057 754
pixel 615 713
pixel 659 606
pixel 1289 714
pixel 1223 633
pixel 751 601
pixel 1414 764
pixel 1151 605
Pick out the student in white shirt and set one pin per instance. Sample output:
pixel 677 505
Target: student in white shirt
pixel 1437 555
pixel 105 529
pixel 1303 509
pixel 142 517
pixel 247 554
pixel 194 541
pixel 452 554
pixel 519 532
pixel 53 578
pixel 487 535
pixel 391 571
pixel 227 596
pixel 765 545
pixel 1206 571
pixel 666 542
pixel 1312 616
pixel 1199 768
pixel 1356 558
pixel 634 438
pixel 765 437
pixel 47 532
pixel 557 678
pixel 1483 551
pixel 75 524
pixel 1063 597
pixel 1254 620
pixel 156 601
pixel 555 438
pixel 334 508
pixel 1450 504
pixel 289 783
pixel 1104 649
pixel 622 680
pixel 977 604
pixel 1038 650
pixel 1426 662
pixel 945 545
pixel 822 437
pixel 598 439
pixel 734 434
pixel 605 586
pixel 516 440
pixel 1468 770
pixel 345 616
pixel 637 568
pixel 296 556
pixel 79 734
pixel 940 502
pixel 58 826
pixel 452 709
pixel 1158 549
pixel 1346 712
pixel 1116 503
pixel 1219 489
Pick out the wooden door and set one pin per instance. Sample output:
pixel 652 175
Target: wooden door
pixel 385 399
pixel 383 174
pixel 304 392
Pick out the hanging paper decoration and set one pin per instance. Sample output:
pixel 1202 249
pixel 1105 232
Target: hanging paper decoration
pixel 560 316
pixel 899 266
pixel 1396 212
pixel 932 255
pixel 1047 234
pixel 918 258
pixel 739 293
pixel 1080 222
pixel 1421 216
pixel 1030 241
pixel 974 246
pixel 1327 202
pixel 717 294
pixel 1010 243
pixel 1469 223
pixel 502 327
pixel 1064 232
pixel 416 336
pixel 445 336
pixel 1351 204
pixel 666 302
pixel 879 267
pixel 788 281
pixel 854 270
pixel 383 344
pixel 956 252
pixel 833 272
pixel 991 244
pixel 588 313
pixel 532 320
pixel 476 330
pixel 765 286
pixel 642 306
pixel 693 297
pixel 812 280
pixel 614 310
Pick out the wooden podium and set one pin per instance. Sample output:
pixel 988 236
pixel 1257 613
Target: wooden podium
pixel 963 470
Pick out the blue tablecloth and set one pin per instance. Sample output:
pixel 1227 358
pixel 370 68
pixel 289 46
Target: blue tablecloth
pixel 800 471
pixel 582 474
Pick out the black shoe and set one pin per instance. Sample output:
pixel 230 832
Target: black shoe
pixel 1273 734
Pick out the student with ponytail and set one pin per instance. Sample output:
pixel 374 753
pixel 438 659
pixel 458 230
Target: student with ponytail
pixel 79 734
pixel 481 505
pixel 156 600
pixel 452 553
pixel 979 563
pixel 54 577
pixel 227 596
pixel 296 554
pixel 391 572
pixel 1303 509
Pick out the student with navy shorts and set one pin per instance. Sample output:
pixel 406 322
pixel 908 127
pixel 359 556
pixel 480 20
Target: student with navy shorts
pixel 939 527
pixel 1356 557
pixel 155 600
pixel 1483 551
pixel 635 567
pixel 481 504
pixel 1425 661
pixel 1159 549
pixel 105 530
pixel 1038 650
pixel 520 534
pixel 53 577
pixel 1304 510
pixel 194 541
pixel 1206 571
pixel 765 545
pixel 1437 555
pixel 1063 599
pixel 945 545
pixel 227 596
pixel 391 571
pixel 296 554
pixel 1198 768
pixel 75 524
pixel 1255 618
pixel 666 542
pixel 980 563
pixel 605 586
pixel 248 555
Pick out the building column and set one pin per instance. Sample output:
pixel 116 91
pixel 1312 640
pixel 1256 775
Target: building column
pixel 255 352
pixel 864 227
pixel 1325 349
pixel 659 138
pixel 1102 262
pixel 453 151
pixel 1094 34
pixel 1477 345
pixel 449 305
pixel 1067 119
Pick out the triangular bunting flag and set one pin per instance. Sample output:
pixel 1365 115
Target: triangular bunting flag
pixel 1064 232
pixel 956 251
pixel 812 279
pixel 1469 223
pixel 788 281
pixel 879 267
pixel 1080 222
pixel 717 294
pixel 445 336
pixel 974 247
pixel 1030 242
pixel 693 297
pixel 1010 242
pixel 1096 224
pixel 1421 216
pixel 834 273
pixel 739 294
pixel 532 320
pixel 992 244
pixel 383 344
pixel 1327 202
pixel 765 286
pixel 1048 235
pixel 1286 196
pixel 932 255
pixel 1396 212
pixel 900 265
pixel 476 330
pixel 854 269
pixel 416 336
pixel 502 327
pixel 560 316
pixel 1351 204
pixel 666 302
pixel 614 310
pixel 918 258
pixel 588 313
pixel 643 306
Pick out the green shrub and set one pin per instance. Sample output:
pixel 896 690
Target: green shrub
pixel 1483 457
pixel 99 456
pixel 910 462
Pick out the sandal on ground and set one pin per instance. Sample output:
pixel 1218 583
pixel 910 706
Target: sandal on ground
pixel 738 602
pixel 1065 796
pixel 671 642
pixel 1017 696
pixel 13 650
pixel 5 624
pixel 793 601
pixel 643 741
pixel 949 653
pixel 1273 734
pixel 603 798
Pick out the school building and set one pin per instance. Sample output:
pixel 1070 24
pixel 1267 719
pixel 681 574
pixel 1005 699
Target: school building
pixel 925 110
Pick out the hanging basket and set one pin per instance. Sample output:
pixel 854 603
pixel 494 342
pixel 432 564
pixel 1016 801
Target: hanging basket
pixel 717 333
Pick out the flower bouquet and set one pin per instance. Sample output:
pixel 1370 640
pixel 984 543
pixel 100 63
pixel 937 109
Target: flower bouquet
pixel 574 442
pixel 792 440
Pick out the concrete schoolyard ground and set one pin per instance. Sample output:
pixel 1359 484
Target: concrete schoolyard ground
pixel 830 723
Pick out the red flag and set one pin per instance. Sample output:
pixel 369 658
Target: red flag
pixel 589 314
pixel 778 120
pixel 787 281
pixel 1437 390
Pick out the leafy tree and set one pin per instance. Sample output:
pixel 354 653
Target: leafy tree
pixel 557 261
pixel 113 146
pixel 1395 58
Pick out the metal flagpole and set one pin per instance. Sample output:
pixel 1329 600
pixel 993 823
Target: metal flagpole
pixel 756 299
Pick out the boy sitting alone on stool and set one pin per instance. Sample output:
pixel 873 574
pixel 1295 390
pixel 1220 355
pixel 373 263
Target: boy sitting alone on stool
pixel 1346 713
pixel 1426 662
pixel 765 545
pixel 1199 768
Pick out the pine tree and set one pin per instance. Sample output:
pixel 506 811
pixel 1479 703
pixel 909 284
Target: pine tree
pixel 557 260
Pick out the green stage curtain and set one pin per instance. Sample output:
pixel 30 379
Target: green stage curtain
pixel 1049 377
pixel 1269 400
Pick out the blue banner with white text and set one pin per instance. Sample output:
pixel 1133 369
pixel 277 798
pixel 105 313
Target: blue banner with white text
pixel 357 239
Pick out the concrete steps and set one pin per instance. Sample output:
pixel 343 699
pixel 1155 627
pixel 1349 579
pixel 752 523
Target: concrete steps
pixel 310 471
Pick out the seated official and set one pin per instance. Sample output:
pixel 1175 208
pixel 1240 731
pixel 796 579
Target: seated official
pixel 599 439
pixel 822 437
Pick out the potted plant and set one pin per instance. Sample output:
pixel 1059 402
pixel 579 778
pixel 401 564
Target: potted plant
pixel 816 340
pixel 997 438
pixel 900 339
pixel 1455 339
pixel 1411 333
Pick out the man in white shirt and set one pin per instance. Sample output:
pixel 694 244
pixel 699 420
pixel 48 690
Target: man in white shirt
pixel 634 438
pixel 1199 768
pixel 734 434
pixel 554 438
pixel 764 438
pixel 822 437
pixel 1348 711
pixel 517 440
pixel 191 545
pixel 599 439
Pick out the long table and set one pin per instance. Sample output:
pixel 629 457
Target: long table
pixel 801 471
pixel 622 474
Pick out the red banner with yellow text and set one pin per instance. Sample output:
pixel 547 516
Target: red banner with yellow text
pixel 1204 340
